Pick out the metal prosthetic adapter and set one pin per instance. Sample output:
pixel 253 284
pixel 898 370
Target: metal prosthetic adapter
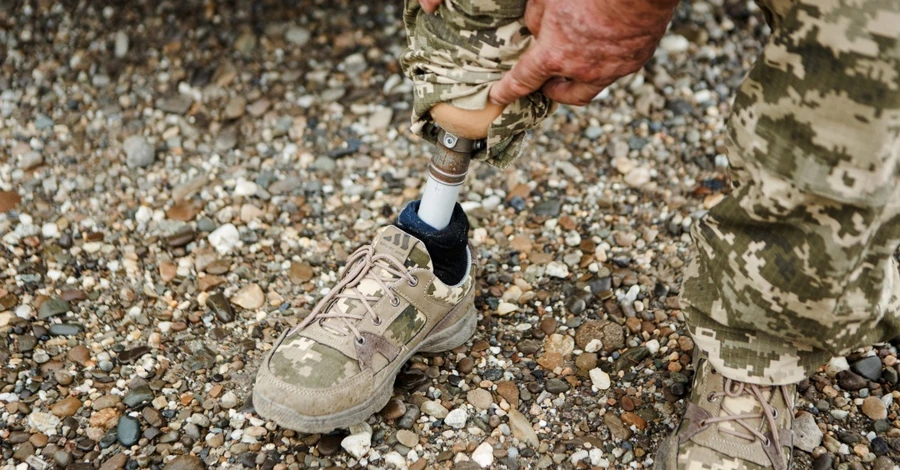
pixel 462 133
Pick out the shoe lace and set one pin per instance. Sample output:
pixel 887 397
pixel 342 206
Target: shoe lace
pixel 360 265
pixel 734 389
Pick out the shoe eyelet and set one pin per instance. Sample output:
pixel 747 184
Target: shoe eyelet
pixel 377 321
pixel 413 282
pixel 361 340
pixel 395 301
pixel 775 414
pixel 711 397
pixel 703 424
pixel 767 443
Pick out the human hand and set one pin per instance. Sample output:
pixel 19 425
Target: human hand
pixel 582 46
pixel 430 5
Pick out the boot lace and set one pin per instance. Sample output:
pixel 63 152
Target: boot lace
pixel 361 265
pixel 734 389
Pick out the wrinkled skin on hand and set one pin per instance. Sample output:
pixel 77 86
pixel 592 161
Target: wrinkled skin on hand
pixel 582 46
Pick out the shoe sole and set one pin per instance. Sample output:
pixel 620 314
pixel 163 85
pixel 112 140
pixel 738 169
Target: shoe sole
pixel 449 338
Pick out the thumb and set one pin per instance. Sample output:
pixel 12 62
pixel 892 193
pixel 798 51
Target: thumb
pixel 528 75
pixel 569 92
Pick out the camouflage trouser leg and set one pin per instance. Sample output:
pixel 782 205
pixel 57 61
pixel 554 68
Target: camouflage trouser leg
pixel 454 57
pixel 797 265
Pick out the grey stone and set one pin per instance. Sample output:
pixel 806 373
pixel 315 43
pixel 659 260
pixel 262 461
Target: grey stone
pixel 128 431
pixel 138 152
pixel 807 435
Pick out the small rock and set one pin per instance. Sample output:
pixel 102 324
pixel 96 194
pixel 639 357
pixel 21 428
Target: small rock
pixel 457 418
pixel 868 367
pixel 850 381
pixel 407 438
pixel 556 386
pixel 874 408
pixel 66 408
pixel 807 435
pixel 138 152
pixel 480 398
pixel 43 422
pixel 250 297
pixel 434 409
pixel 185 462
pixel 128 431
pixel 521 428
pixel 357 444
pixel 611 335
pixel 235 107
pixel 484 455
pixel 600 379
pixel 225 238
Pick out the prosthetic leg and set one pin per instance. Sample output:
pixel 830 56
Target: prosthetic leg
pixel 460 135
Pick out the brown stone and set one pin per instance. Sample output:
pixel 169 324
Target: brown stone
pixel 632 419
pixel 9 200
pixel 66 407
pixel 509 392
pixel 206 283
pixel 184 211
pixel 105 419
pixel 80 354
pixel 586 361
pixel 300 273
pixel 38 440
pixel 167 271
pixel 610 334
pixel 116 462
pixel 551 360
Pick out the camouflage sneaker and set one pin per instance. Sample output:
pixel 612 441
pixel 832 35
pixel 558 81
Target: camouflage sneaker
pixel 731 424
pixel 337 367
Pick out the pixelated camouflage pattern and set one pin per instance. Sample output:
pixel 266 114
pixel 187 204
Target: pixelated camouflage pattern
pixel 303 360
pixel 409 323
pixel 454 57
pixel 451 294
pixel 797 264
pixel 300 360
pixel 711 449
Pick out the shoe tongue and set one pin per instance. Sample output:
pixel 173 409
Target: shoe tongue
pixel 745 404
pixel 390 241
pixel 403 246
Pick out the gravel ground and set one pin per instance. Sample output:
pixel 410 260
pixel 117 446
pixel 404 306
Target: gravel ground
pixel 180 181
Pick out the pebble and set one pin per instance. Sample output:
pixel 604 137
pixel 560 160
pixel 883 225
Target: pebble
pixel 185 462
pixel 874 408
pixel 138 152
pixel 609 334
pixel 521 428
pixel 807 435
pixel 484 455
pixel 557 386
pixel 600 379
pixel 225 238
pixel 456 418
pixel 480 398
pixel 66 407
pixel 407 438
pixel 357 444
pixel 128 431
pixel 434 409
pixel 249 297
pixel 869 367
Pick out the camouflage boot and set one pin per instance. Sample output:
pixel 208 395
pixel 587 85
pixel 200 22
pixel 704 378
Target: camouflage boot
pixel 731 425
pixel 337 367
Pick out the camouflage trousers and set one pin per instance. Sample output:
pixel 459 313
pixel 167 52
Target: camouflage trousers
pixel 456 54
pixel 798 264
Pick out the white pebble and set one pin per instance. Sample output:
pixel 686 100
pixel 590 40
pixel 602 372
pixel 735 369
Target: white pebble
pixel 484 455
pixel 457 418
pixel 224 238
pixel 600 379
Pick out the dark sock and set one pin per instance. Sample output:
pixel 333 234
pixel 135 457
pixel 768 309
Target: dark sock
pixel 447 247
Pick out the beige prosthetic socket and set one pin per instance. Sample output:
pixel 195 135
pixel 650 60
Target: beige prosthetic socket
pixel 462 132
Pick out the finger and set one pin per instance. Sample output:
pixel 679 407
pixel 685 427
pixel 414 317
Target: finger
pixel 430 5
pixel 569 92
pixel 534 13
pixel 528 75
